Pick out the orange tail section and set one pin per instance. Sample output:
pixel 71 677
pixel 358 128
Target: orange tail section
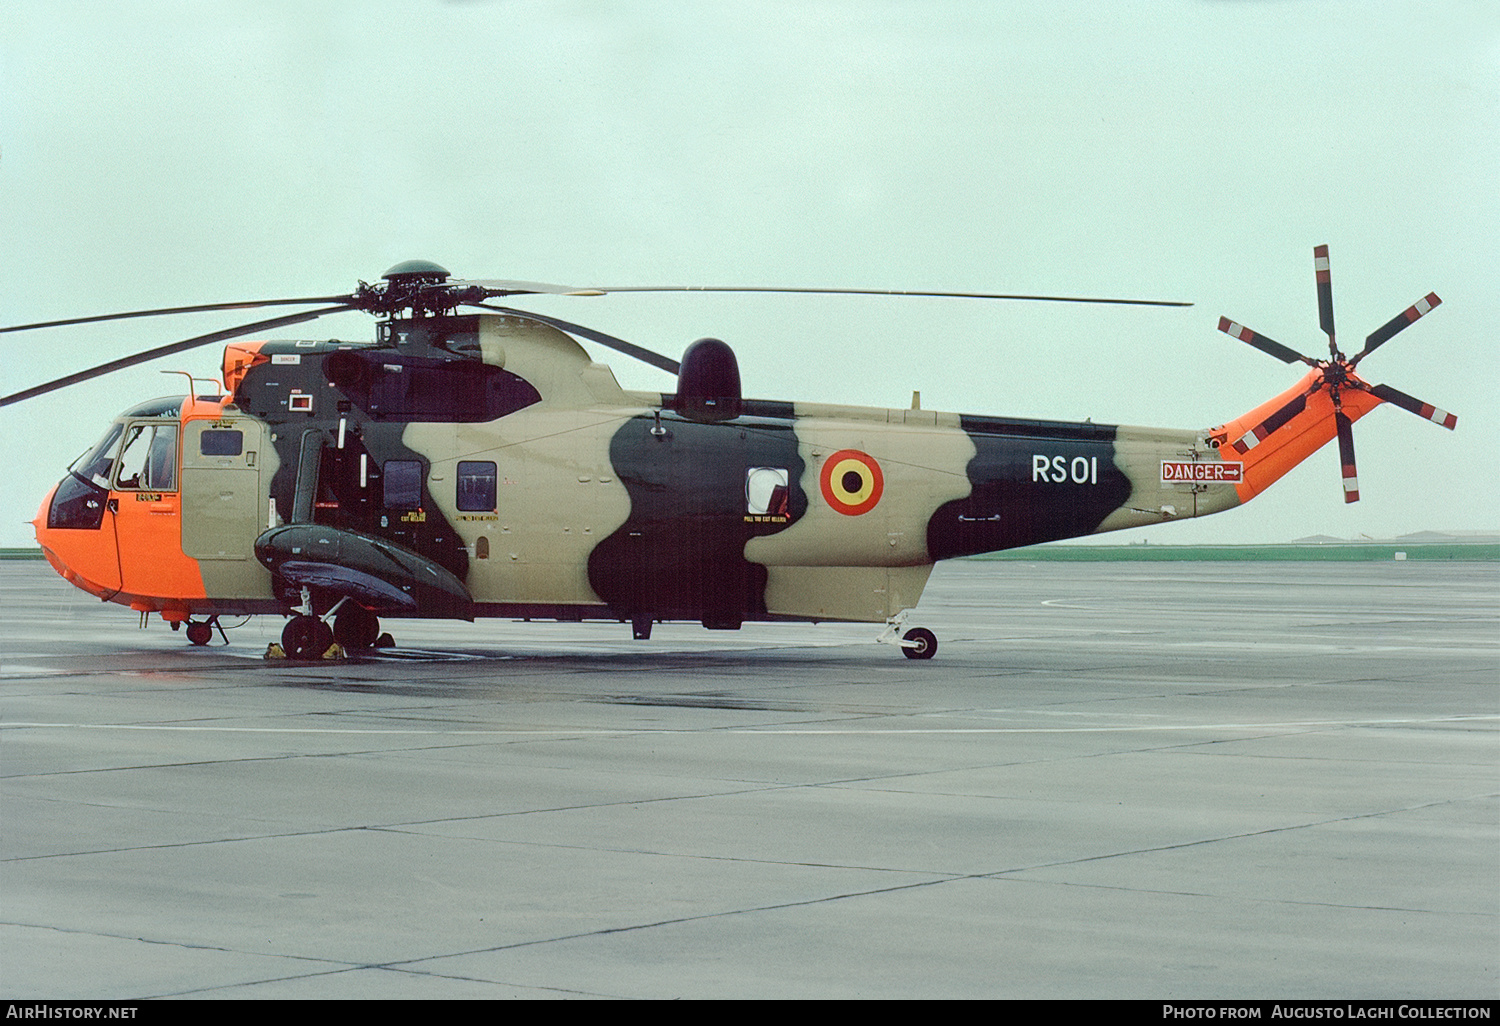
pixel 1277 435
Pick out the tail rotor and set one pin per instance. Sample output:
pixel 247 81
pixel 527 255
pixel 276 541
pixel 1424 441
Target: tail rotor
pixel 1336 375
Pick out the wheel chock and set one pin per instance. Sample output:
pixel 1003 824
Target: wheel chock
pixel 335 652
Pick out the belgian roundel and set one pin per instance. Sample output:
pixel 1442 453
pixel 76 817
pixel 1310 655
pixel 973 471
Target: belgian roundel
pixel 852 482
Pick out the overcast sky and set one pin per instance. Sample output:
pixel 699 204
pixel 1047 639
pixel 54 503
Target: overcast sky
pixel 165 153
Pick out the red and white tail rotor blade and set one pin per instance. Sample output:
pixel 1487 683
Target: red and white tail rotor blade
pixel 1325 297
pixel 1346 456
pixel 1387 331
pixel 1413 405
pixel 1261 342
pixel 1257 434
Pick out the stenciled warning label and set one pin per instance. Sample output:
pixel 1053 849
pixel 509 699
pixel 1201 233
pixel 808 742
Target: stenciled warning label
pixel 1176 471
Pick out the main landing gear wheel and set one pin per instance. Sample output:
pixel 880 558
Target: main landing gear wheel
pixel 919 643
pixel 306 637
pixel 199 632
pixel 356 628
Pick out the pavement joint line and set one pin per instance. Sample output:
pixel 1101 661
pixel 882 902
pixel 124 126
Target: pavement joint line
pixel 667 731
pixel 942 879
pixel 677 921
pixel 1208 895
pixel 1267 831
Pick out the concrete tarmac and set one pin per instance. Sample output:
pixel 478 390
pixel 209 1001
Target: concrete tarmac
pixel 1116 780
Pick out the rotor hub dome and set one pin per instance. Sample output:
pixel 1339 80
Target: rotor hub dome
pixel 417 271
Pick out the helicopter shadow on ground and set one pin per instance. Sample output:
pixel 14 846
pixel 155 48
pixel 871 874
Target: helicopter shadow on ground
pixel 700 678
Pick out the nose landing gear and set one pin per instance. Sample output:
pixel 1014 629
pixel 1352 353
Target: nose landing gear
pixel 201 632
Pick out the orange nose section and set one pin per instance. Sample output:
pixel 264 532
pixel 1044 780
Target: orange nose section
pixel 86 557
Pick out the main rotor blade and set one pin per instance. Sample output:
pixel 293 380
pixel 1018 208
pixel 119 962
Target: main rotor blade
pixel 501 287
pixel 1383 334
pixel 1417 406
pixel 167 350
pixel 1325 296
pixel 601 289
pixel 1346 456
pixel 1262 343
pixel 619 345
pixel 164 311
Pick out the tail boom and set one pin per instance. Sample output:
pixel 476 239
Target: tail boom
pixel 1276 436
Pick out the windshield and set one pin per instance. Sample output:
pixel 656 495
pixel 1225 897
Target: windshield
pixel 96 464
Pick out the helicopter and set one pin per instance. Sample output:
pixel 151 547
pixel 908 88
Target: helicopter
pixel 481 464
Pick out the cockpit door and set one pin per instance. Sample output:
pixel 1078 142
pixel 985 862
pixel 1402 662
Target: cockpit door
pixel 224 507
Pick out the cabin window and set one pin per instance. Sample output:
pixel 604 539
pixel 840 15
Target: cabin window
pixel 766 491
pixel 402 482
pixel 221 443
pixel 149 460
pixel 476 491
pixel 476 486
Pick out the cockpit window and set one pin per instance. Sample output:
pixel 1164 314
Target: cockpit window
pixel 148 462
pixel 96 464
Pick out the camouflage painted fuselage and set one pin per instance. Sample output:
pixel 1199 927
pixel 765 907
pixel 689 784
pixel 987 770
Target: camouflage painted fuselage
pixel 508 475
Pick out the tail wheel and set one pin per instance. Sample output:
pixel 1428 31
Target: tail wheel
pixel 306 637
pixel 919 643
